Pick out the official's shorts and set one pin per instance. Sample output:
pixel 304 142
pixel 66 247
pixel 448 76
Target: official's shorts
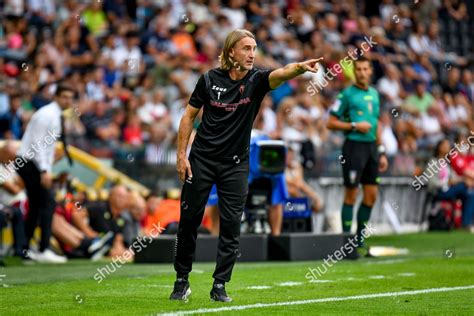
pixel 359 162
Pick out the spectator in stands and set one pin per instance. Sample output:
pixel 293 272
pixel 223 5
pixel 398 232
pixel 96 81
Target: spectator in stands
pixel 467 85
pixel 292 129
pixel 11 123
pixel 134 218
pixel 132 133
pixel 452 85
pixel 409 77
pixel 99 124
pixel 330 31
pixel 102 218
pixel 418 103
pixel 418 40
pixel 154 110
pixel 158 149
pixel 435 49
pixel 389 140
pixel 75 243
pixel 455 8
pixel 12 194
pixel 296 184
pixel 165 213
pixel 96 87
pixel 390 87
pixel 447 185
pixel 95 19
pixel 425 69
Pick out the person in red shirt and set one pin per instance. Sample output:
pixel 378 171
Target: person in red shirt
pixel 132 133
pixel 463 164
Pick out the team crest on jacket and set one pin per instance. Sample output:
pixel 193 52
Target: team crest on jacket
pixel 241 89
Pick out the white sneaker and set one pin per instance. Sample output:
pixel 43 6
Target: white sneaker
pixel 30 254
pixel 47 256
pixel 100 253
pixel 100 242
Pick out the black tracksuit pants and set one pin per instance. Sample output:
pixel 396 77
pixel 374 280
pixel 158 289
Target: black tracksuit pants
pixel 231 179
pixel 41 204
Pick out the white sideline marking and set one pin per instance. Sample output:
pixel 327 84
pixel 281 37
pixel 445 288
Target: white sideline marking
pixel 320 300
pixel 377 277
pixel 289 283
pixel 259 287
pixel 351 279
pixel 198 271
pixel 321 281
pixel 407 274
pixel 390 261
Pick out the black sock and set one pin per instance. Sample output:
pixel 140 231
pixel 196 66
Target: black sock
pixel 182 277
pixel 217 282
pixel 85 243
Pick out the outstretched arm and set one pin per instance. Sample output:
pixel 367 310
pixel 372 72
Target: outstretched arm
pixel 280 75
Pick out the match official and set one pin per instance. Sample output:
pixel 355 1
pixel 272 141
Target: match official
pixel 356 112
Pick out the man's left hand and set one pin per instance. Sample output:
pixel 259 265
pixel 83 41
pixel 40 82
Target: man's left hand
pixel 383 163
pixel 309 65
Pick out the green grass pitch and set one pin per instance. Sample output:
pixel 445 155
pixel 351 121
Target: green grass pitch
pixel 435 278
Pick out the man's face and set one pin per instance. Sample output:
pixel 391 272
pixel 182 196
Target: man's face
pixel 363 72
pixel 119 198
pixel 15 104
pixel 65 99
pixel 243 53
pixel 420 89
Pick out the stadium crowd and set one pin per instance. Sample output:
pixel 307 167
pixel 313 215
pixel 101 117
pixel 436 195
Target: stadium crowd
pixel 134 65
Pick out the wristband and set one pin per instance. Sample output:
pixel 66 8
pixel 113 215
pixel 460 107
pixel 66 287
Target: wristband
pixel 381 149
pixel 353 126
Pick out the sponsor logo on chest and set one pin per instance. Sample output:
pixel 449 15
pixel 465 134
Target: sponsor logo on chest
pixel 219 91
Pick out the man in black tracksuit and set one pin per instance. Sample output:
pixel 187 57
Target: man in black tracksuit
pixel 230 97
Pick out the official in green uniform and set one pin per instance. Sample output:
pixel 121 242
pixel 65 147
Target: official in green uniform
pixel 356 112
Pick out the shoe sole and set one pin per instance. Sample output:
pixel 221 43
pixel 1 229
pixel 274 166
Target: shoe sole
pixel 101 243
pixel 53 260
pixel 216 300
pixel 184 297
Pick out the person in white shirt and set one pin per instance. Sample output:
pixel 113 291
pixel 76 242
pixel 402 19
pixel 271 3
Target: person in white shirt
pixel 418 40
pixel 35 161
pixel 11 196
pixel 389 86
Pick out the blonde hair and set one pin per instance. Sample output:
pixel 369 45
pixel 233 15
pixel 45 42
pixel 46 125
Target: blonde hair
pixel 236 35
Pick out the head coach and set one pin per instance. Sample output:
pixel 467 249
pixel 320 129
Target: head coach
pixel 230 97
